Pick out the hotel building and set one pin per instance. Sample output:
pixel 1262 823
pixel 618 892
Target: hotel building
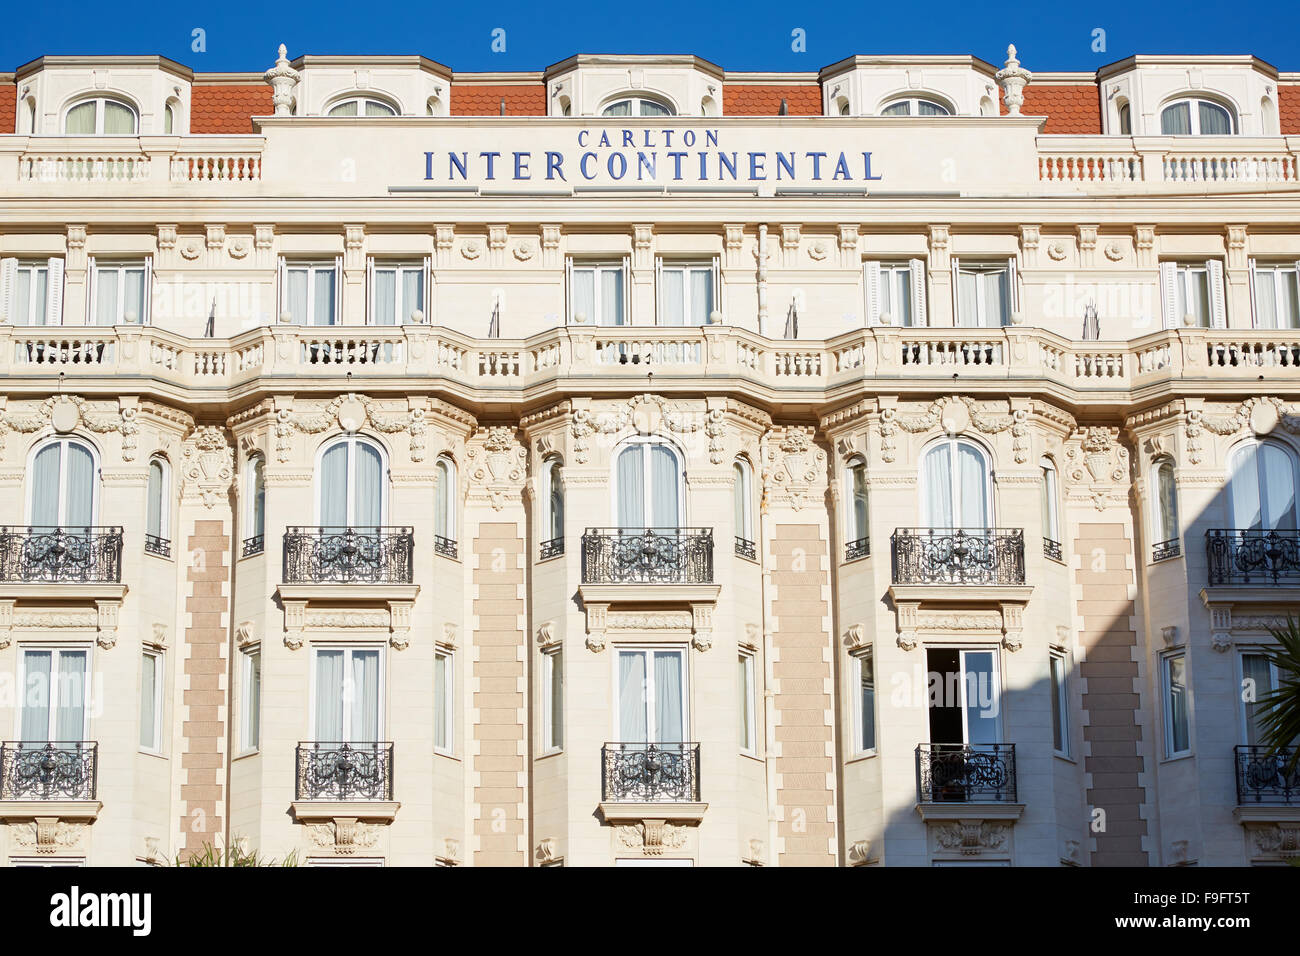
pixel 639 462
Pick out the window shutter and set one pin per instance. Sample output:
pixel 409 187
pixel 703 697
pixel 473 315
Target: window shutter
pixel 918 292
pixel 8 280
pixel 338 290
pixel 1218 304
pixel 54 293
pixel 717 288
pixel 371 318
pixel 871 289
pixel 659 290
pixel 146 307
pixel 1169 294
pixel 92 287
pixel 281 280
pixel 1013 288
pixel 956 291
pixel 1254 307
pixel 568 291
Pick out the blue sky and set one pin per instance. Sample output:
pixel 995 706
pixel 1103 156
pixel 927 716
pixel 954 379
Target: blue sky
pixel 750 36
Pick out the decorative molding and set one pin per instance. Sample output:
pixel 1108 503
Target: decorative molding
pixel 548 635
pixel 794 470
pixel 652 837
pixel 349 413
pixel 207 465
pixel 971 837
pixel 955 415
pixel 344 835
pixel 497 462
pixel 47 834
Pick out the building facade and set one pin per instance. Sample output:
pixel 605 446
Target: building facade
pixel 643 463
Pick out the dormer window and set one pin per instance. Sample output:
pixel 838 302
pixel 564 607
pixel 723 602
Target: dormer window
pixel 101 117
pixel 915 106
pixel 361 106
pixel 1196 117
pixel 637 106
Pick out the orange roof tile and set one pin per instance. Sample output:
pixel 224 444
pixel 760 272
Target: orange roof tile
pixel 745 100
pixel 470 99
pixel 1288 109
pixel 228 109
pixel 1069 109
pixel 8 107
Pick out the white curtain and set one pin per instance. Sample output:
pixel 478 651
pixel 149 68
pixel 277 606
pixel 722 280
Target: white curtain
pixel 1168 502
pixel 631 697
pixel 1214 120
pixel 80 120
pixel 668 697
pixel 442 513
pixel 968 300
pixel 366 509
pixel 81 488
pixel 365 697
pixel 936 477
pixel 334 486
pixel 738 500
pixel 329 696
pixel 70 720
pixel 556 501
pixel 385 296
pixel 133 310
pixel 980 697
pixel 1254 667
pixel 296 299
pixel 412 294
pixel 701 296
pixel 1279 488
pixel 673 297
pixel 1179 739
pixel 258 521
pixel 119 120
pixel 611 297
pixel 557 699
pixel 860 513
pixel 584 294
pixel 631 488
pixel 1265 300
pixel 441 698
pixel 664 511
pixel 1049 503
pixel 900 306
pixel 106 281
pixel 997 310
pixel 35 724
pixel 746 695
pixel 253 702
pixel 867 690
pixel 323 292
pixel 148 700
pixel 621 108
pixel 973 487
pixel 45 486
pixel 1176 120
pixel 154 507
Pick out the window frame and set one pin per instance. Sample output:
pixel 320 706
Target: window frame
pixel 1051 499
pixel 100 102
pixel 1243 711
pixel 954 442
pixel 29 477
pixel 1167 705
pixel 1058 660
pixel 39 314
pixel 361 100
pixel 852 532
pixel 597 267
pixel 1194 115
pixel 400 267
pixel 913 104
pixel 164 503
pixel 748 691
pixel 686 267
pixel 291 264
pixel 864 657
pixel 985 267
pixel 449 531
pixel 255 497
pixel 1159 531
pixel 743 495
pixel 56 651
pixel 250 702
pixel 552 703
pixel 445 698
pixel 996 678
pixel 634 101
pixel 650 690
pixel 1277 269
pixel 159 681
pixel 553 516
pixel 381 693
pixel 646 475
pixel 351 439
pixel 1261 486
pixel 121 267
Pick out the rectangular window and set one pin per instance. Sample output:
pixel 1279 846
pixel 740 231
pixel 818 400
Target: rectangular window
pixel 895 292
pixel 31 292
pixel 347 695
pixel 443 698
pixel 864 667
pixel 309 291
pixel 965 697
pixel 1258 678
pixel 596 293
pixel 1191 293
pixel 120 294
pixel 986 293
pixel 1177 729
pixel 553 700
pixel 55 695
pixel 1060 706
pixel 1275 294
pixel 250 722
pixel 151 701
pixel 748 743
pixel 652 696
pixel 397 289
pixel 687 292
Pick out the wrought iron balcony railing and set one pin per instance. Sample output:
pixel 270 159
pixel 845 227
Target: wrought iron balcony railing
pixel 254 545
pixel 746 548
pixel 958 556
pixel 551 549
pixel 153 544
pixel 650 773
pixel 1052 549
pixel 46 553
pixel 344 771
pixel 368 555
pixel 444 546
pixel 1262 776
pixel 1252 557
pixel 647 556
pixel 1163 550
pixel 60 770
pixel 857 549
pixel 958 773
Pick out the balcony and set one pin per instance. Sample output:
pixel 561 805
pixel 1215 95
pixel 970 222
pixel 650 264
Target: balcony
pixel 1262 778
pixel 952 556
pixel 366 555
pixel 647 556
pixel 155 545
pixel 56 771
pixel 550 549
pixel 41 555
pixel 344 772
pixel 1164 550
pixel 860 548
pixel 746 548
pixel 1252 557
pixel 650 773
pixel 956 773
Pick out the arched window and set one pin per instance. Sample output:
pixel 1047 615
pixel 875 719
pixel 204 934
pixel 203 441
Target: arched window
pixel 637 106
pixel 553 495
pixel 648 486
pixel 915 106
pixel 352 484
pixel 1196 117
pixel 172 118
pixel 956 487
pixel 255 505
pixel 743 504
pixel 156 534
pixel 63 485
pixel 858 530
pixel 1125 119
pixel 1051 514
pixel 1164 510
pixel 1261 486
pixel 361 106
pixel 444 507
pixel 101 116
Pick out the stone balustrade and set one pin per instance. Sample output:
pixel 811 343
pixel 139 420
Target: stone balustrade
pixel 1169 162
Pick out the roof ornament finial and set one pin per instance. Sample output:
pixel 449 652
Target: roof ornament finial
pixel 1013 79
pixel 283 78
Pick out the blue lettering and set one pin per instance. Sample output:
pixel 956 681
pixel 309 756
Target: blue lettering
pixel 817 163
pixel 728 164
pixel 521 165
pixel 491 158
pixel 710 137
pixel 582 165
pixel 756 163
pixel 582 137
pixel 627 138
pixel 866 162
pixel 688 138
pixel 554 161
pixel 647 163
pixel 604 138
pixel 428 165
pixel 786 164
pixel 842 169
pixel 455 164
pixel 704 170
pixel 622 165
pixel 677 164
pixel 668 137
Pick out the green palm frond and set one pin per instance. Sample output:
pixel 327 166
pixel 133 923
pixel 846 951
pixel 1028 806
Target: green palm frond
pixel 1279 717
pixel 233 855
